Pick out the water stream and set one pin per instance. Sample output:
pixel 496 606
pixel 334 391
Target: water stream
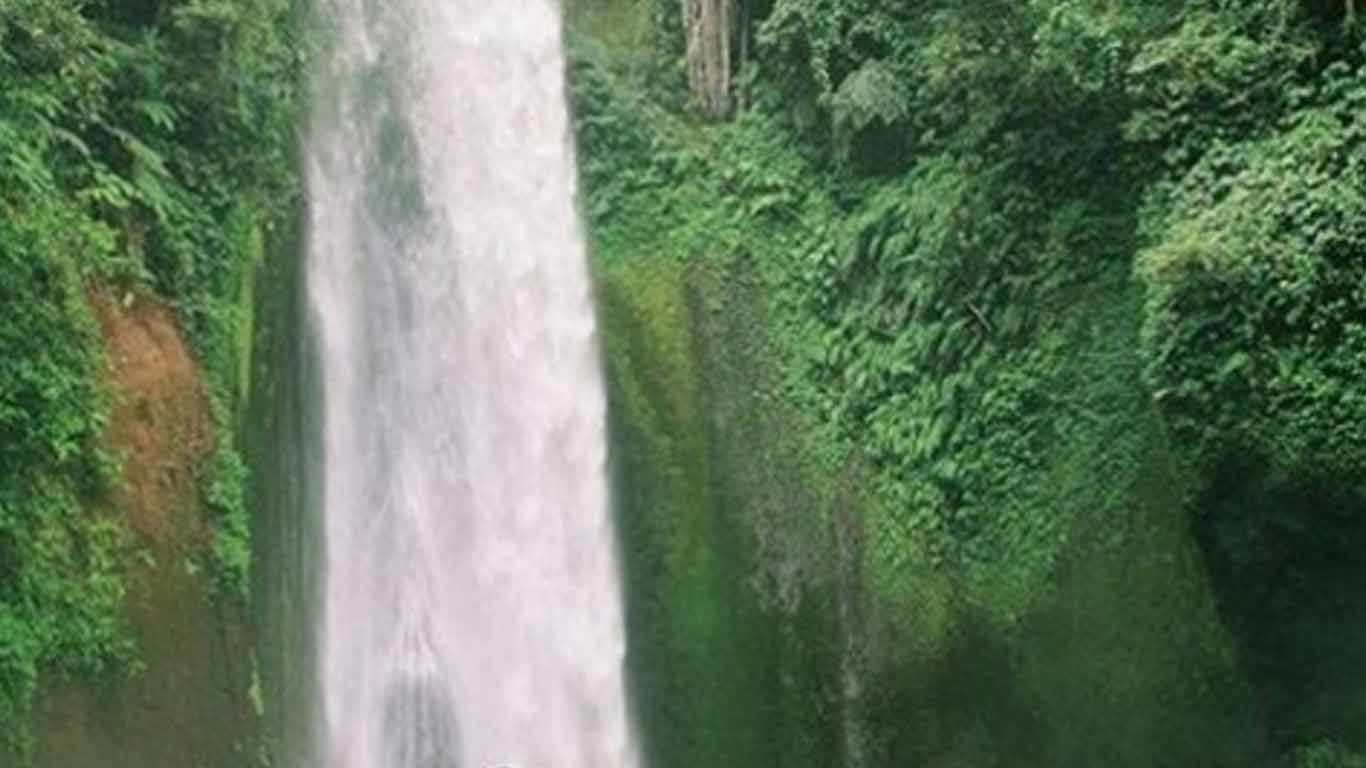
pixel 471 609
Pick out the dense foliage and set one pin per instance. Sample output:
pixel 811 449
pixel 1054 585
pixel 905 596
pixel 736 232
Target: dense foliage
pixel 1255 327
pixel 142 144
pixel 1078 285
pixel 988 390
pixel 60 595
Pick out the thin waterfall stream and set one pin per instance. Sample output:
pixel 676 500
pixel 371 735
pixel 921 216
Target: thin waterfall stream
pixel 471 610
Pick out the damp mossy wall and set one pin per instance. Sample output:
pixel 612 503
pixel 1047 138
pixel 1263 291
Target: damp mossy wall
pixel 1118 655
pixel 719 674
pixel 789 603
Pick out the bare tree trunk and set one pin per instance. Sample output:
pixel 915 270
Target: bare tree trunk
pixel 742 92
pixel 707 25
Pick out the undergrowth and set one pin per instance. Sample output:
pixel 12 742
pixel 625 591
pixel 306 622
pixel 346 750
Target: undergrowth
pixel 1040 269
pixel 124 130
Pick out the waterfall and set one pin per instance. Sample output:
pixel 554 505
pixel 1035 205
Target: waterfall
pixel 471 610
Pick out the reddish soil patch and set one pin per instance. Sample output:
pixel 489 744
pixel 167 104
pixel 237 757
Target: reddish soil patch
pixel 160 422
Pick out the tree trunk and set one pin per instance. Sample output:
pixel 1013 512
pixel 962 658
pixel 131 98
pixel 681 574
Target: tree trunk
pixel 708 25
pixel 741 97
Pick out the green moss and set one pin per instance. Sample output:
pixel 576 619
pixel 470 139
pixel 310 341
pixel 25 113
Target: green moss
pixel 1023 521
pixel 252 256
pixel 1124 649
pixel 719 673
pixel 282 438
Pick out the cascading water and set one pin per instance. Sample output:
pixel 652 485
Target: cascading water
pixel 471 613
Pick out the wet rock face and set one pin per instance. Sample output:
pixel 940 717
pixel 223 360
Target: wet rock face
pixel 189 704
pixel 419 727
pixel 1283 556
